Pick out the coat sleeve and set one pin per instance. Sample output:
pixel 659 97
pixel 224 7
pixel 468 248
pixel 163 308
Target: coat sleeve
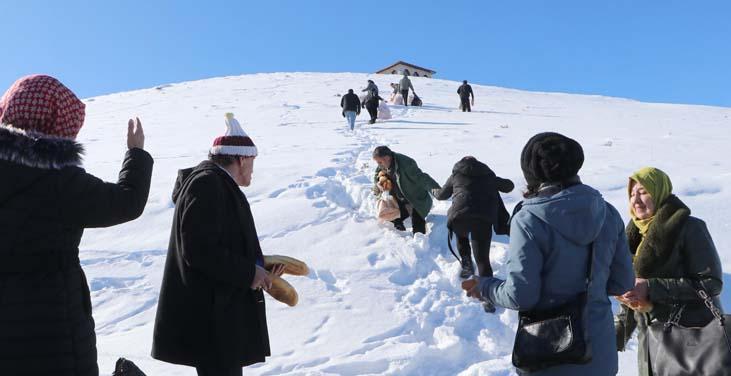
pixel 91 202
pixel 621 273
pixel 521 289
pixel 201 227
pixel 702 264
pixel 342 102
pixel 624 325
pixel 447 189
pixel 420 177
pixel 504 185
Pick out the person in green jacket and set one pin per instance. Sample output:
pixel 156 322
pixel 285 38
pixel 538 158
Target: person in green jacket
pixel 412 187
pixel 671 249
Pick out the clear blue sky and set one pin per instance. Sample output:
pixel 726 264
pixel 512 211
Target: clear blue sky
pixel 663 51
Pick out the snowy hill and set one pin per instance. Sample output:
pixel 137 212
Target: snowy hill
pixel 377 301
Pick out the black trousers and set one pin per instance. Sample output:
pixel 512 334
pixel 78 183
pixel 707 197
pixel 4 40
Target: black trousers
pixel 466 104
pixel 418 223
pixel 219 371
pixel 372 107
pixel 475 238
pixel 405 94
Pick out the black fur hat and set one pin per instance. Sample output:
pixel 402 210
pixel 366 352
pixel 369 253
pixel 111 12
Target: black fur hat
pixel 550 158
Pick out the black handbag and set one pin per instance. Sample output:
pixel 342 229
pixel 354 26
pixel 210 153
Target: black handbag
pixel 679 351
pixel 556 336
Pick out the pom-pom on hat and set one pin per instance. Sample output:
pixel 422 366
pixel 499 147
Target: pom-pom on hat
pixel 235 141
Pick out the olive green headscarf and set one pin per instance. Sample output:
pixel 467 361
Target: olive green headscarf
pixel 658 185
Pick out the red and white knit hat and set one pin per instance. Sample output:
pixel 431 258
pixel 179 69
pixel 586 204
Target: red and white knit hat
pixel 43 107
pixel 235 141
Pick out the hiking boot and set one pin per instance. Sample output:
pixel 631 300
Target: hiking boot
pixel 488 307
pixel 399 226
pixel 126 368
pixel 468 270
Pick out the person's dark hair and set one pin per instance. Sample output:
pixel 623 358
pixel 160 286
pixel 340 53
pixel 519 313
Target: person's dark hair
pixel 350 91
pixel 550 158
pixel 371 81
pixel 223 160
pixel 382 151
pixel 464 81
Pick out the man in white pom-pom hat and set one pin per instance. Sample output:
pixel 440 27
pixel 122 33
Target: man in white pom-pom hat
pixel 211 312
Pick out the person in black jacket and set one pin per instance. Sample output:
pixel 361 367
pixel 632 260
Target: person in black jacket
pixel 371 101
pixel 211 312
pixel 476 207
pixel 465 91
pixel 46 202
pixel 350 103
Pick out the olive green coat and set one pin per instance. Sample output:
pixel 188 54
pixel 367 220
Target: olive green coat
pixel 414 184
pixel 676 250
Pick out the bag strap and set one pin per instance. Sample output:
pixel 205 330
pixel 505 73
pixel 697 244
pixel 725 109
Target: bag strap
pixel 590 267
pixel 707 301
pixel 450 235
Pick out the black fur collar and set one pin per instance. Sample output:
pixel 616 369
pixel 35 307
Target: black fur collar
pixel 660 240
pixel 23 148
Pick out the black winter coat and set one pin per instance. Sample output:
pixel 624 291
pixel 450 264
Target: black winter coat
pixel 465 90
pixel 207 314
pixel 474 190
pixel 46 325
pixel 350 102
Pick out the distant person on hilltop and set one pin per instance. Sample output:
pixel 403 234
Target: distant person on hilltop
pixel 350 103
pixel 395 95
pixel 465 91
pixel 371 101
pixel 404 86
pixel 47 200
pixel 211 313
pixel 409 185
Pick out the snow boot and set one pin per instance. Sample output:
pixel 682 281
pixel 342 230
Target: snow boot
pixel 399 225
pixel 488 307
pixel 126 368
pixel 468 270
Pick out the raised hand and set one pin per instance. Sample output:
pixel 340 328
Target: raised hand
pixel 135 134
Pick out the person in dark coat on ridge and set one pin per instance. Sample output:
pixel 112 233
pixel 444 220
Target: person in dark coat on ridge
pixel 211 312
pixel 474 189
pixel 465 92
pixel 46 202
pixel 350 103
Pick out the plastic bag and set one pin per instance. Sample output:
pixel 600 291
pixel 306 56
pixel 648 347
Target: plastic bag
pixel 387 208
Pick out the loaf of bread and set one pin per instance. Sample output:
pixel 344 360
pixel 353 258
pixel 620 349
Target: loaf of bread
pixel 291 265
pixel 282 291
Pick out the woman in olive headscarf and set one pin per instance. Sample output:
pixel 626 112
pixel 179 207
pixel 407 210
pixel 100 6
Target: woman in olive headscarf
pixel 671 250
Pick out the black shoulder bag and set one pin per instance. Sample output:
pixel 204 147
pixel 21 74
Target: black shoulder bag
pixel 556 336
pixel 679 351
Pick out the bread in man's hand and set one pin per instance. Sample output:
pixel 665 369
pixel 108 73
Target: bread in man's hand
pixel 291 265
pixel 282 291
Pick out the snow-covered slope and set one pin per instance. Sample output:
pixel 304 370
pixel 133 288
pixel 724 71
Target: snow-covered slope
pixel 377 301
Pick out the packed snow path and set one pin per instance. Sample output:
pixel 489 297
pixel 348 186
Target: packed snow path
pixel 377 301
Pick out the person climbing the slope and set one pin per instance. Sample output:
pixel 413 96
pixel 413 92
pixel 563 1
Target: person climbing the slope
pixel 464 92
pixel 410 186
pixel 476 208
pixel 404 86
pixel 350 103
